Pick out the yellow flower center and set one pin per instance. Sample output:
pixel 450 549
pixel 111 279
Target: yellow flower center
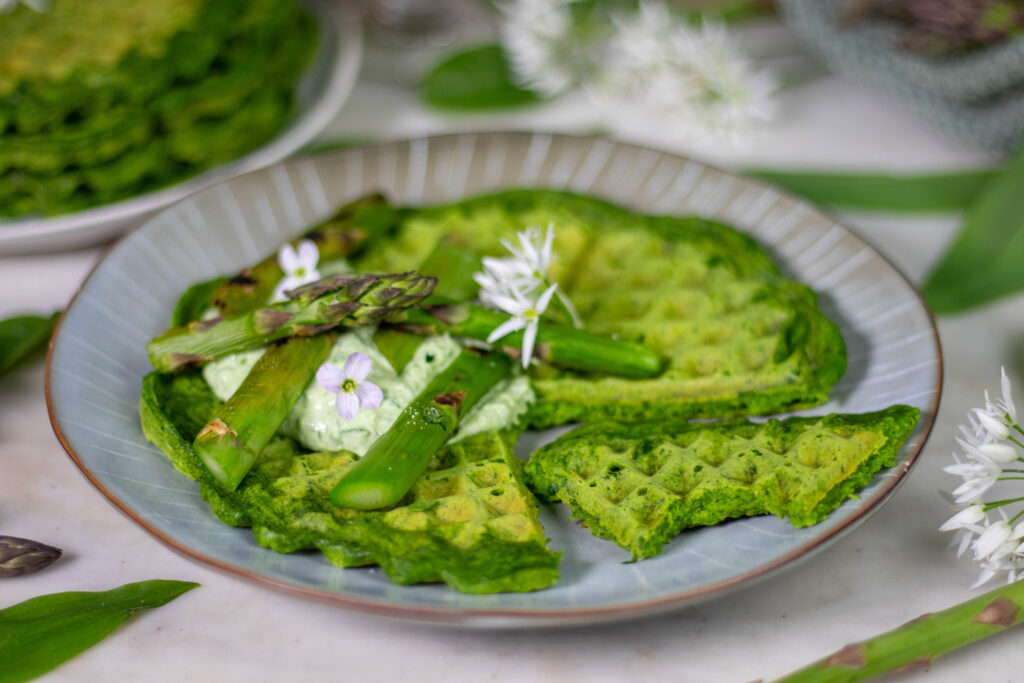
pixel 349 386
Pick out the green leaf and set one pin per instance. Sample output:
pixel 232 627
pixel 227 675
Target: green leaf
pixel 21 336
pixel 39 634
pixel 479 78
pixel 935 192
pixel 986 260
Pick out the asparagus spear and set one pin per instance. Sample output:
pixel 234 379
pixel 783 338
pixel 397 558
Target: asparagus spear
pixel 399 456
pixel 350 300
pixel 919 642
pixel 335 238
pixel 559 345
pixel 230 443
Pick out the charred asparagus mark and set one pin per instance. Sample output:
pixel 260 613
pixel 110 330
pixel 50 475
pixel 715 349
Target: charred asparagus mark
pixel 926 615
pixel 217 428
pixel 243 279
pixel 853 655
pixel 451 400
pixel 999 612
pixel 922 662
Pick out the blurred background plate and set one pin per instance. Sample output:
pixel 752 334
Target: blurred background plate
pixel 319 95
pixel 98 359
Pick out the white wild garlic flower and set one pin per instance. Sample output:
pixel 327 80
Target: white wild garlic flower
pixel 544 53
pixel 991 450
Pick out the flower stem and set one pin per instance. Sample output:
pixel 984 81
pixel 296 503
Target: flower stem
pixel 919 642
pixel 999 503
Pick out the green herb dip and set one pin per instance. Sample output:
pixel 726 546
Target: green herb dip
pixel 314 422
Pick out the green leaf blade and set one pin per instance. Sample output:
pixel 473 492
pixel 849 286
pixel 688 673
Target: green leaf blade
pixel 21 336
pixel 476 79
pixel 985 262
pixel 41 633
pixel 927 193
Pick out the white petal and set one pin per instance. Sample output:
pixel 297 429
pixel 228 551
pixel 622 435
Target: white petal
pixel 330 377
pixel 347 405
pixel 287 259
pixel 545 299
pixel 993 537
pixel 370 395
pixel 545 254
pixel 1001 453
pixel 1007 398
pixel 509 304
pixel 986 575
pixel 507 327
pixel 529 337
pixel 286 283
pixel 965 541
pixel 973 489
pixel 991 424
pixel 969 515
pixel 357 366
pixel 308 255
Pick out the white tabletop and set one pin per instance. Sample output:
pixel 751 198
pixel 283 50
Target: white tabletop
pixel 891 569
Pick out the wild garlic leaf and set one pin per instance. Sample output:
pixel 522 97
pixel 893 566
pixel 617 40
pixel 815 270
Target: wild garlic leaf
pixel 21 336
pixel 984 262
pixel 928 193
pixel 479 78
pixel 41 633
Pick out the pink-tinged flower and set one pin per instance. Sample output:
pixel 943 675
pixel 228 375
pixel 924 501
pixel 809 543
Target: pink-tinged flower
pixel 350 384
pixel 299 266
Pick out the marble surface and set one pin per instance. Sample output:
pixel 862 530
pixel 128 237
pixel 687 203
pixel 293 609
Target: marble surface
pixel 891 569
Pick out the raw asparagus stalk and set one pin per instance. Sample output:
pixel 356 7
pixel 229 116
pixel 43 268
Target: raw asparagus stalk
pixel 400 455
pixel 919 642
pixel 559 345
pixel 335 238
pixel 230 443
pixel 350 300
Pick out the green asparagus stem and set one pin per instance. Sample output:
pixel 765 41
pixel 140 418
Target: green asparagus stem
pixel 335 238
pixel 453 266
pixel 919 642
pixel 350 300
pixel 559 345
pixel 401 454
pixel 230 443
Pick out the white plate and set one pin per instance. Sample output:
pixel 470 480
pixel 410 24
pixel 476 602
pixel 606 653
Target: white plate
pixel 326 84
pixel 98 359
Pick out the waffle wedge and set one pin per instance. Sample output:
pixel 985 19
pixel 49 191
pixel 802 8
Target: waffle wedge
pixel 469 521
pixel 739 338
pixel 640 484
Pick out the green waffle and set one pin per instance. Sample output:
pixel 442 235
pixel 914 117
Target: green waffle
pixel 469 520
pixel 157 163
pixel 739 338
pixel 640 484
pixel 129 118
pixel 110 51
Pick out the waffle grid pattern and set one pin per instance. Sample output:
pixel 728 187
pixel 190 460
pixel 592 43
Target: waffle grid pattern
pixel 640 485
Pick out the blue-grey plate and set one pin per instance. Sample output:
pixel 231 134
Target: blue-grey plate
pixel 319 94
pixel 98 358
